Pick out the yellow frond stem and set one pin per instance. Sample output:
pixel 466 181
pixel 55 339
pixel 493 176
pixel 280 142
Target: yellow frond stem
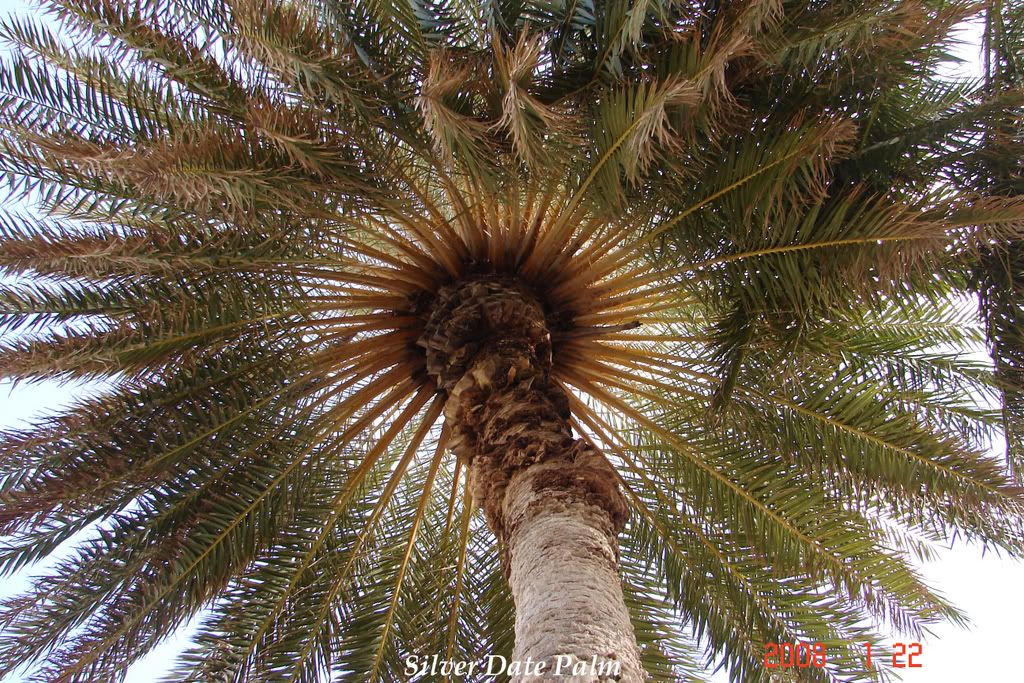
pixel 410 544
pixel 340 501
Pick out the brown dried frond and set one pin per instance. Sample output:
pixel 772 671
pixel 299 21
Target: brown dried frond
pixel 453 132
pixel 653 136
pixel 523 116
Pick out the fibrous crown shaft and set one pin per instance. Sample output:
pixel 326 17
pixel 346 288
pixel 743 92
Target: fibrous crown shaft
pixel 488 346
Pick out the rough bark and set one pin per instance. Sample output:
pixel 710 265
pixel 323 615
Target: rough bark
pixel 552 501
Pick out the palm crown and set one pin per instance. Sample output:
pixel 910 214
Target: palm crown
pixel 747 229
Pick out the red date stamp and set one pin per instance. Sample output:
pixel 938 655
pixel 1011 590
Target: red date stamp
pixel 805 655
pixel 794 655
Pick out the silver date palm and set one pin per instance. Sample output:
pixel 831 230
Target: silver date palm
pixel 619 337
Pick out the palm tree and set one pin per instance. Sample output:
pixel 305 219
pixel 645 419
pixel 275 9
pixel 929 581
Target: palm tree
pixel 994 168
pixel 675 294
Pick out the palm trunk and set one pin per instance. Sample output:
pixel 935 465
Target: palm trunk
pixel 552 501
pixel 564 575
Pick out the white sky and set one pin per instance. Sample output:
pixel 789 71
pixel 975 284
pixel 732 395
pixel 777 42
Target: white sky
pixel 989 589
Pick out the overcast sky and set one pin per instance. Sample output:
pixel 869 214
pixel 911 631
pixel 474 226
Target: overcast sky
pixel 990 590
